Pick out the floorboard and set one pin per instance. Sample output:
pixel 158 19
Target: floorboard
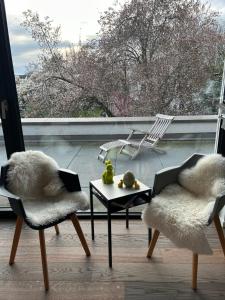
pixel 74 276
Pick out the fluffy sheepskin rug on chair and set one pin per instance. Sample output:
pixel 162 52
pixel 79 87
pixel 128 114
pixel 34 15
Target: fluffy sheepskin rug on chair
pixel 181 211
pixel 33 176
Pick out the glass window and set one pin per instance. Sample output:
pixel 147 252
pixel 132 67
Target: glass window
pixel 88 71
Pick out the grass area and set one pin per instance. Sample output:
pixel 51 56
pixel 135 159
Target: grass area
pixel 89 113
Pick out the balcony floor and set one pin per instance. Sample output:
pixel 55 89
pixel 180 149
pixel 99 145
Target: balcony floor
pixel 81 157
pixel 133 277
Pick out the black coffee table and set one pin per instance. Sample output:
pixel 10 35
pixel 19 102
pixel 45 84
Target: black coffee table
pixel 116 199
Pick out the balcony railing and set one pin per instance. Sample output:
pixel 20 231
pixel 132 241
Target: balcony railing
pixel 99 129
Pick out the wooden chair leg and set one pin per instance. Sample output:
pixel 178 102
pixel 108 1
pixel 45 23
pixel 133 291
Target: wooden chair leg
pixel 219 230
pixel 79 231
pixel 57 229
pixel 19 223
pixel 44 258
pixel 194 270
pixel 153 243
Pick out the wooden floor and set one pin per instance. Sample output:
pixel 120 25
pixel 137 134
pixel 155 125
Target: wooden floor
pixel 74 276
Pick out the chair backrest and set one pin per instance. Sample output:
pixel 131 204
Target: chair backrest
pixel 4 170
pixel 206 178
pixel 200 177
pixel 33 174
pixel 170 175
pixel 70 180
pixel 159 128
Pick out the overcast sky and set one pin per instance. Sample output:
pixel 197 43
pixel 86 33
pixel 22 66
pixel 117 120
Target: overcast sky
pixel 78 19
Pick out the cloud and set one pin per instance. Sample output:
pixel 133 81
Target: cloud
pixel 217 5
pixel 24 49
pixel 77 22
pixel 76 16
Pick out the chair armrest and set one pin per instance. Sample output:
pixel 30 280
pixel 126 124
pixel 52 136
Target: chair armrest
pixel 15 202
pixel 139 130
pixel 5 193
pixel 17 207
pixel 133 133
pixel 219 204
pixel 70 180
pixel 164 177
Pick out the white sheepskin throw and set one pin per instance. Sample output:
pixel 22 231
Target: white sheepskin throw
pixel 181 210
pixel 33 176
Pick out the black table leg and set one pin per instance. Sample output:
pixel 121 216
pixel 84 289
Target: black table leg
pixel 109 238
pixel 92 214
pixel 127 218
pixel 149 235
pixel 149 229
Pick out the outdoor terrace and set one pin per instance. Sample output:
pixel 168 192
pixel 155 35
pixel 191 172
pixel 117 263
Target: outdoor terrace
pixel 74 143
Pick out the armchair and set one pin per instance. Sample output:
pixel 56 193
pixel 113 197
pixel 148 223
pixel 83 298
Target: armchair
pixel 41 211
pixel 186 200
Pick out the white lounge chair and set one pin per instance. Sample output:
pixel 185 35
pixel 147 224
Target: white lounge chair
pixel 131 146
